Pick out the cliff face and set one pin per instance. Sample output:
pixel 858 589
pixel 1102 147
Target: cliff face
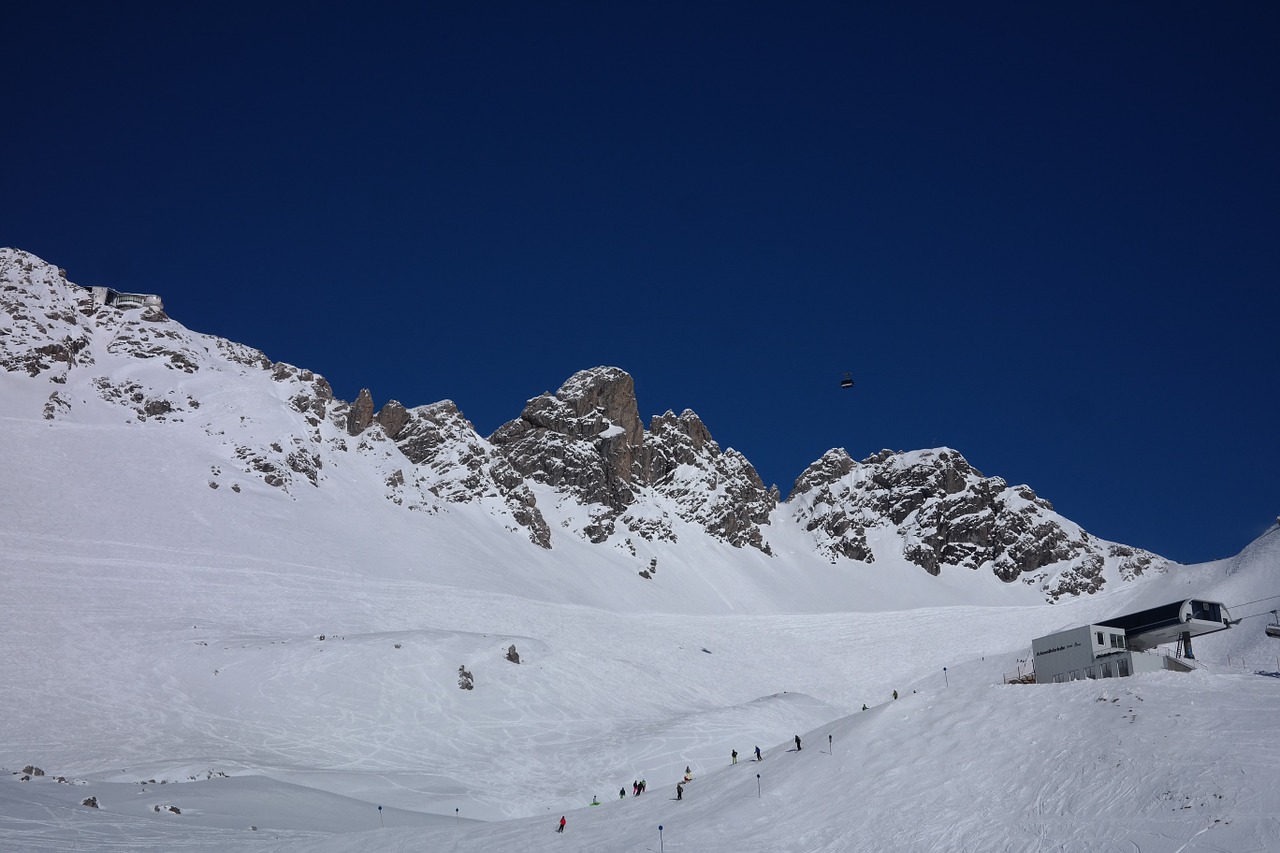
pixel 584 448
pixel 588 439
pixel 944 512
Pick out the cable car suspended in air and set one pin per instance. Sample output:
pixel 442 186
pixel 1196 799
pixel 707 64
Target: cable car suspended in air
pixel 1273 628
pixel 847 382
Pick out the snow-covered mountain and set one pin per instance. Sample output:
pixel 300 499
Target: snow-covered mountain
pixel 238 613
pixel 581 455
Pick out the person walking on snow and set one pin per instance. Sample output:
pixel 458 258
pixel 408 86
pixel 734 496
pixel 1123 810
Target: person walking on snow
pixel 734 756
pixel 679 791
pixel 560 828
pixel 797 743
pixel 758 756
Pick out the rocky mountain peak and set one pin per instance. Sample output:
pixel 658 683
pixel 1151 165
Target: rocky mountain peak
pixel 392 417
pixel 608 393
pixel 946 513
pixel 361 414
pixel 586 437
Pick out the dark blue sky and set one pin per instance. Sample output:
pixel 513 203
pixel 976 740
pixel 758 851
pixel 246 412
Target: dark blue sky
pixel 1046 235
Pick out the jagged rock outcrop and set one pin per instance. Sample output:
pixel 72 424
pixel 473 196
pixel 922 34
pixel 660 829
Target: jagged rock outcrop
pixel 361 414
pixel 392 417
pixel 944 512
pixel 827 507
pixel 45 333
pixel 313 399
pixel 457 465
pixel 587 438
pixel 719 491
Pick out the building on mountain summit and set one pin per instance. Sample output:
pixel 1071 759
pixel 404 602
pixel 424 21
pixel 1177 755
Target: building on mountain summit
pixel 107 296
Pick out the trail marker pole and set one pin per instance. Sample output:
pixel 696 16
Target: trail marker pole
pixel 456 820
pixel 945 680
pixel 758 797
pixel 659 838
pixel 380 823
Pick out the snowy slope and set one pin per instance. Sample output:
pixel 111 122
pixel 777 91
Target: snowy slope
pixel 147 639
pixel 162 606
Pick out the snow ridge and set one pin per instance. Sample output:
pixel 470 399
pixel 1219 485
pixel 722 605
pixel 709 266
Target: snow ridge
pixel 586 442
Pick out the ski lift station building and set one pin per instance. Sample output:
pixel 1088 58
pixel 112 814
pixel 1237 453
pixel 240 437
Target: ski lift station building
pixel 1121 646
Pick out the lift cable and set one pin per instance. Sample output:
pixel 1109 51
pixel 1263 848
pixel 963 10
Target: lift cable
pixel 1255 601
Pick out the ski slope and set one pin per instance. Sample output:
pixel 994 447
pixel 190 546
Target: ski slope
pixel 160 646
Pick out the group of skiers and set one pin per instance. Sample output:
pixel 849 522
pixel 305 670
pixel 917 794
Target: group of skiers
pixel 638 785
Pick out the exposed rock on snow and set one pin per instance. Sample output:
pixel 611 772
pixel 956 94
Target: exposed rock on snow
pixel 455 464
pixel 587 439
pixel 361 414
pixel 612 480
pixel 720 491
pixel 824 503
pixel 947 513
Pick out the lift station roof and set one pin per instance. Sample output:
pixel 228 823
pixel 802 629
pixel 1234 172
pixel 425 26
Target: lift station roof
pixel 1147 629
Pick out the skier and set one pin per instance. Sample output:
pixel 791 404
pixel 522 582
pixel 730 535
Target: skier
pixel 797 743
pixel 635 788
pixel 864 706
pixel 560 828
pixel 759 757
pixel 679 791
pixel 734 756
pixel 895 694
pixel 595 801
pixel 622 793
pixel 642 786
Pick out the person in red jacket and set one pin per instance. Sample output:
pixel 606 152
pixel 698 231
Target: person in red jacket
pixel 560 828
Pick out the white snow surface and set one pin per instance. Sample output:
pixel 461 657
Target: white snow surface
pixel 160 645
